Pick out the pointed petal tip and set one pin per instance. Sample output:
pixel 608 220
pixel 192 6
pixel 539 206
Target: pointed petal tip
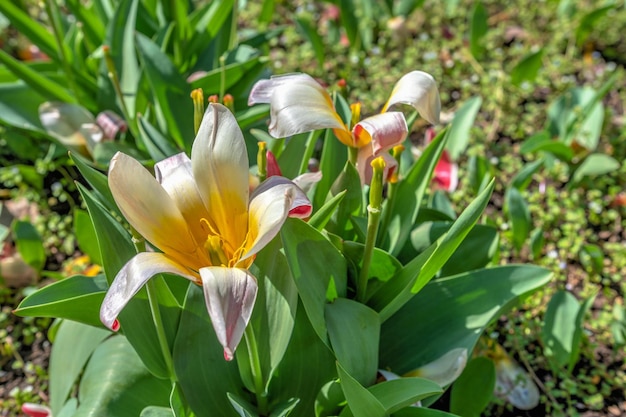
pixel 36 410
pixel 116 325
pixel 229 355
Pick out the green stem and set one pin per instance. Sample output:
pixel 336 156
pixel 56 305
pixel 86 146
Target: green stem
pixel 308 150
pixel 373 220
pixel 53 14
pixel 353 154
pixel 140 246
pixel 257 374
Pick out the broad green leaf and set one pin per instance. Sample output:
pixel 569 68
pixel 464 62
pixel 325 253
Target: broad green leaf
pixel 527 68
pixel 478 29
pixel 402 392
pixel 594 165
pixel 417 273
pixel 275 308
pixel 284 409
pixel 400 212
pixel 231 74
pixel 353 324
pixel 480 173
pixel 73 345
pixel 476 250
pixel 98 182
pixel 290 159
pixel 412 337
pixel 460 129
pixel 578 332
pixel 473 390
pixel 157 145
pixel 307 366
pixel 536 242
pixel 38 82
pixel 590 21
pixel 75 298
pixel 329 400
pixel 206 22
pixel 522 179
pixel 543 142
pixel 115 382
pixel 350 22
pixel 309 32
pixel 439 201
pixel 591 257
pixel 578 115
pixel 362 403
pixel 29 244
pixel 422 412
pixel 519 216
pixel 314 263
pixel 91 24
pixel 350 182
pixel 170 93
pixel 86 236
pixel 121 41
pixel 320 218
pixel 204 376
pixel 332 161
pixel 242 406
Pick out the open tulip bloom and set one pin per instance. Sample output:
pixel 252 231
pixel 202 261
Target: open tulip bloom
pixel 199 214
pixel 300 104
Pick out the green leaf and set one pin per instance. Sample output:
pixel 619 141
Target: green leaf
pixel 75 298
pixel 594 165
pixel 519 216
pixel 29 244
pixel 311 276
pixel 362 403
pixel 206 23
pixel 542 142
pixel 404 207
pixel 421 412
pixel 204 376
pixel 242 406
pixel 41 84
pixel 353 324
pixel 309 32
pixel 480 173
pixel 589 22
pixel 527 68
pixel 86 236
pixel 332 161
pixel 284 409
pixel 321 217
pixel 522 179
pixel 478 29
pixel 98 181
pixel 121 40
pixel 170 92
pixel 403 392
pixel 459 133
pixel 350 182
pixel 536 242
pixel 412 337
pixel 417 273
pixel 307 366
pixel 591 257
pixel 157 145
pixel 473 390
pixel 115 382
pixel 73 345
pixel 19 106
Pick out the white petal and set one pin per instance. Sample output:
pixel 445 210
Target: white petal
pixel 270 205
pixel 147 206
pixel 301 206
pixel 131 278
pixel 219 162
pixel 263 90
pixel 419 90
pixel 176 177
pixel 364 167
pixel 307 180
pixel 445 369
pixel 386 130
pixel 71 124
pixel 229 294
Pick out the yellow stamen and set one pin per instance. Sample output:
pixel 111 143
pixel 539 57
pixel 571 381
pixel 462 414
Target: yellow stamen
pixel 355 108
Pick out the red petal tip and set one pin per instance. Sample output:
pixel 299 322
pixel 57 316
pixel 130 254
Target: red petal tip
pixel 116 325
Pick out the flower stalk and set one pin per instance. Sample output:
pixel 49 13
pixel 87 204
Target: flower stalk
pixel 257 373
pixel 373 220
pixel 261 161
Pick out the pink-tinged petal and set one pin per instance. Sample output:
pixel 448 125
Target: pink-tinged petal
pixel 272 165
pixel 219 162
pixel 417 89
pixel 176 177
pixel 364 167
pixel 36 410
pixel 271 203
pixel 132 277
pixel 307 180
pixel 446 173
pixel 148 207
pixel 384 130
pixel 263 90
pixel 229 294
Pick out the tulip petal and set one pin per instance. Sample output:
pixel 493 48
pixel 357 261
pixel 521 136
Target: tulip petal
pixel 229 294
pixel 36 410
pixel 364 167
pixel 272 165
pixel 219 162
pixel 263 90
pixel 307 180
pixel 148 207
pixel 445 369
pixel 176 176
pixel 385 130
pixel 446 173
pixel 419 90
pixel 132 277
pixel 272 202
